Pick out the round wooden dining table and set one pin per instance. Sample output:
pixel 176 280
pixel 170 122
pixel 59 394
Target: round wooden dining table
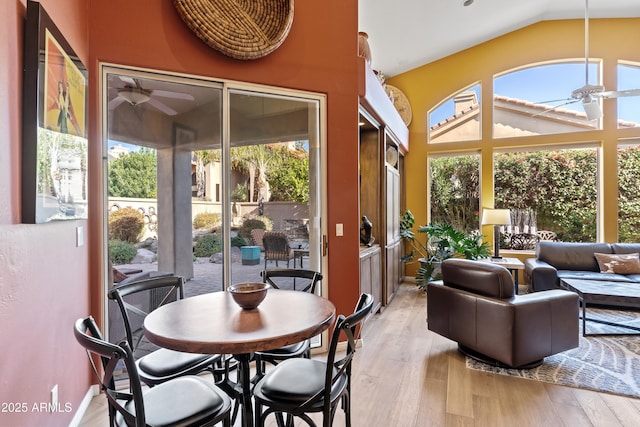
pixel 214 323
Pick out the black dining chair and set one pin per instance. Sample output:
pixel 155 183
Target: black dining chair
pixel 137 299
pixel 187 400
pixel 286 278
pixel 300 386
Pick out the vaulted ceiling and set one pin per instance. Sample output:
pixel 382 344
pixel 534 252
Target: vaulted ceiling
pixel 405 34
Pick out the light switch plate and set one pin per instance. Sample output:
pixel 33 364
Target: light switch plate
pixel 339 230
pixel 79 236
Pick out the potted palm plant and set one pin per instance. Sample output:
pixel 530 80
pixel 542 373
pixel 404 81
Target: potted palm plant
pixel 442 241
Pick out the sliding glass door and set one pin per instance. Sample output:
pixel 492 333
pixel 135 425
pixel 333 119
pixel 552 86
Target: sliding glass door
pixel 198 171
pixel 275 161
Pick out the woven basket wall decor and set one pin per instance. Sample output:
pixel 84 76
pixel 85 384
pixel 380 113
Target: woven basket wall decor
pixel 241 29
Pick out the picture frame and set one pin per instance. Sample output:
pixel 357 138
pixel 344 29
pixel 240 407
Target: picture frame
pixel 54 124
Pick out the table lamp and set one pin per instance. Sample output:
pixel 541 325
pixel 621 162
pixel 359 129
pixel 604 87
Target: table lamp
pixel 496 217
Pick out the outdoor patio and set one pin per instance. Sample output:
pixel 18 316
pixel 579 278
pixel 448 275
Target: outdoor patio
pixel 207 276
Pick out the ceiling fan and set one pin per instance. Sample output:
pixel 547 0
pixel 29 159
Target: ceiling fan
pixel 135 95
pixel 588 93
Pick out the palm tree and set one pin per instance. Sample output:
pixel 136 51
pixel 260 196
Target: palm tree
pixel 202 158
pixel 254 158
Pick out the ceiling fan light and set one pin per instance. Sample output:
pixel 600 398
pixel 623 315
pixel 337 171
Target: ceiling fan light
pixel 134 96
pixel 592 109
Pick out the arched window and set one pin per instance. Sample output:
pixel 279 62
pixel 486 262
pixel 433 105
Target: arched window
pixel 456 118
pixel 628 106
pixel 537 100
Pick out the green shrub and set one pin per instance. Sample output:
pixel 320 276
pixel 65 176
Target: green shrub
pixel 126 224
pixel 239 194
pixel 238 241
pixel 207 245
pixel 206 220
pixel 121 252
pixel 254 222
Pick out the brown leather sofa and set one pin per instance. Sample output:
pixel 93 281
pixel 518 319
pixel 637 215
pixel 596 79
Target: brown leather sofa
pixel 573 260
pixel 475 304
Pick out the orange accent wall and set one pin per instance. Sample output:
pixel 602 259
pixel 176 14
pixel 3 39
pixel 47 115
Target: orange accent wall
pixel 43 275
pixel 426 86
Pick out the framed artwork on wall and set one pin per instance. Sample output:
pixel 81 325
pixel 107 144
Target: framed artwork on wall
pixel 54 127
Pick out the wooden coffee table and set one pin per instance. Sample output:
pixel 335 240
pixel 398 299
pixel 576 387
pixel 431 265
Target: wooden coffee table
pixel 603 293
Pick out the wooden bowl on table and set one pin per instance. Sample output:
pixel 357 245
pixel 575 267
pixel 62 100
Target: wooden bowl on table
pixel 249 295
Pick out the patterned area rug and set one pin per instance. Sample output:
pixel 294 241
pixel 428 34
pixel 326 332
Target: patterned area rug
pixel 601 363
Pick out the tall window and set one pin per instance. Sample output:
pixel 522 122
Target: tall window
pixel 455 190
pixel 551 190
pixel 628 202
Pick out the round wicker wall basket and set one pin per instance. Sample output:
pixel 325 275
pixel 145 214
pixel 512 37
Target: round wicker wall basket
pixel 241 29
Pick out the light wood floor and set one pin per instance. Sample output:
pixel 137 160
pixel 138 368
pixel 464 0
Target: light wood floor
pixel 405 376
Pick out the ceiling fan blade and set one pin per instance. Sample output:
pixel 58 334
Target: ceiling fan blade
pixel 618 93
pixel 115 102
pixel 573 101
pixel 174 95
pixel 555 100
pixel 162 107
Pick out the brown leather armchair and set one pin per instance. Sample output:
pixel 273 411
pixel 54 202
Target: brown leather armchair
pixel 475 304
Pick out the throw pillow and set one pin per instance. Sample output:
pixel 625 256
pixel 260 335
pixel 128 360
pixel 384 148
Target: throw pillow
pixel 619 263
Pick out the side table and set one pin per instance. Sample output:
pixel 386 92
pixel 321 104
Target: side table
pixel 511 264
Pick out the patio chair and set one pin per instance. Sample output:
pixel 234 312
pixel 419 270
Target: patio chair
pixel 187 400
pixel 547 235
pixel 524 241
pixel 277 248
pixel 256 235
pixel 301 386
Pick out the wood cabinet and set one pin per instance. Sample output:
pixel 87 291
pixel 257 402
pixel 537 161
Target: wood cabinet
pixel 371 274
pixel 393 241
pixel 383 143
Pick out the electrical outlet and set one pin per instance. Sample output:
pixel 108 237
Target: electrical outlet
pixel 54 396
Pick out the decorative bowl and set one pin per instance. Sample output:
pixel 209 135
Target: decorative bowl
pixel 248 295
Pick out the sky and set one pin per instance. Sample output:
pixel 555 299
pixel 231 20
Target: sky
pixel 556 82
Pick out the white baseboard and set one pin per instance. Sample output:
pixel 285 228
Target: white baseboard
pixel 94 390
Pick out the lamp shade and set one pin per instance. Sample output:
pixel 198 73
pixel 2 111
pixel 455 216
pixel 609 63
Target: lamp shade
pixel 496 216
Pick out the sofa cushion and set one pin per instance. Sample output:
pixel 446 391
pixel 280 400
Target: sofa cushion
pixel 619 263
pixel 625 248
pixel 593 275
pixel 571 255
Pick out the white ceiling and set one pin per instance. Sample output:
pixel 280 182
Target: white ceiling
pixel 405 34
